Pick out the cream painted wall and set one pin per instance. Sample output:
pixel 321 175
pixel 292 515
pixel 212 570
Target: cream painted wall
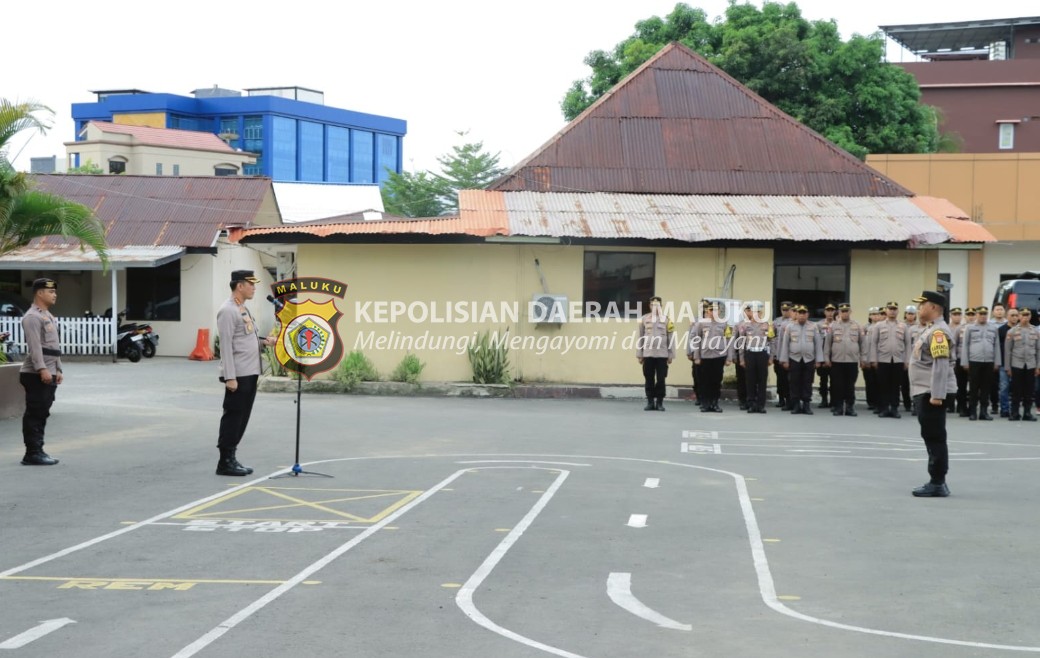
pixel 141 160
pixel 877 277
pixel 955 263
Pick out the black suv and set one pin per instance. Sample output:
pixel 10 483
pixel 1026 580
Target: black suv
pixel 1023 291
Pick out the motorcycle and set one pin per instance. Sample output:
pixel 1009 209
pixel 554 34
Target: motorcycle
pixel 129 340
pixel 150 339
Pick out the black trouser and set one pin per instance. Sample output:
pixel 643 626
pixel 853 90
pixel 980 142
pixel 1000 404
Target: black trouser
pixel 655 370
pixel 801 378
pixel 1023 382
pixel 756 374
pixel 994 391
pixel 783 388
pixel 870 383
pixel 38 400
pixel 697 379
pixel 904 386
pixel 825 382
pixel 962 388
pixel 237 408
pixel 932 419
pixel 889 376
pixel 980 380
pixel 741 384
pixel 843 390
pixel 711 376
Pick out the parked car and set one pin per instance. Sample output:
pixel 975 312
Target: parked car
pixel 1022 291
pixel 12 305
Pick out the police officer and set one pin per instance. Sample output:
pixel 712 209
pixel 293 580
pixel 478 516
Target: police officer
pixel 783 387
pixel 869 373
pixel 41 372
pixel 800 350
pixel 712 352
pixel 956 329
pixel 998 319
pixel 913 330
pixel 825 368
pixel 843 352
pixel 1022 347
pixel 1004 385
pixel 888 355
pixel 691 342
pixel 930 381
pixel 756 347
pixel 655 351
pixel 980 356
pixel 240 346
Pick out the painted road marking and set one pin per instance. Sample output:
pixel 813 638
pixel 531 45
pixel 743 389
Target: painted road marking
pixel 296 501
pixel 637 521
pixel 139 584
pixel 292 527
pixel 713 449
pixel 652 483
pixel 518 461
pixel 619 589
pixel 45 627
pixel 464 599
pixel 700 435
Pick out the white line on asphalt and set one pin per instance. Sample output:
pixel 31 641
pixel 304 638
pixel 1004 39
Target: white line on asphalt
pixel 246 612
pixel 817 450
pixel 517 461
pixel 35 633
pixel 464 598
pixel 652 483
pixel 619 589
pixel 637 521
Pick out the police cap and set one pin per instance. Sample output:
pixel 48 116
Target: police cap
pixel 44 284
pixel 830 307
pixel 244 275
pixel 844 306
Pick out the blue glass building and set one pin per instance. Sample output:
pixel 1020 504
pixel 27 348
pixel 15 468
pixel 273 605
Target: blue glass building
pixel 295 136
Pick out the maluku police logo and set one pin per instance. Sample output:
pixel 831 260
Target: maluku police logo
pixel 308 336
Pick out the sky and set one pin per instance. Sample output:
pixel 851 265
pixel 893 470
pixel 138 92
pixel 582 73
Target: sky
pixel 495 70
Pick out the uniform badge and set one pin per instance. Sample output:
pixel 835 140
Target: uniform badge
pixel 308 334
pixel 940 347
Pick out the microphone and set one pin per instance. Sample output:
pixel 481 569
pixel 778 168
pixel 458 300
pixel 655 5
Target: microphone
pixel 278 303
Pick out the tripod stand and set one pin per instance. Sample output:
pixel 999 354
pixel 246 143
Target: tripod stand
pixel 296 470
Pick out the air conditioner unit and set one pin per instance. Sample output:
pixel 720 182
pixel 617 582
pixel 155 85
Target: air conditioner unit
pixel 546 309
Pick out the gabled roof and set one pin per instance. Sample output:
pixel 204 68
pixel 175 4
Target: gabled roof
pixel 166 137
pixel 174 211
pixel 679 125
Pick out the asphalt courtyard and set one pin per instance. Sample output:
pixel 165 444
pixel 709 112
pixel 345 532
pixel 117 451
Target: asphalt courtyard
pixel 478 528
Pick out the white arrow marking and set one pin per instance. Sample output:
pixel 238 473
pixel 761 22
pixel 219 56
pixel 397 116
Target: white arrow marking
pixel 45 627
pixel 619 589
pixel 652 483
pixel 637 521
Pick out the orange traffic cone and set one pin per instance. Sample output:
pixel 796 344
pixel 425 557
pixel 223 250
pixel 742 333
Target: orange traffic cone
pixel 202 351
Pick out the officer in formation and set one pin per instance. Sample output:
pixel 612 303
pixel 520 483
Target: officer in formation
pixel 655 351
pixel 887 354
pixel 41 372
pixel 1004 385
pixel 931 380
pixel 801 349
pixel 980 357
pixel 998 318
pixel 825 368
pixel 756 342
pixel 844 352
pixel 913 330
pixel 870 373
pixel 957 327
pixel 712 350
pixel 1022 347
pixel 783 392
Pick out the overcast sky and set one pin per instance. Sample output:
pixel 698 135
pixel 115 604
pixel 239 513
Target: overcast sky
pixel 497 70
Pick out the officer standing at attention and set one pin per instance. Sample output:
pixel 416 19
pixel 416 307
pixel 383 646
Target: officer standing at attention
pixel 1022 347
pixel 843 353
pixel 887 354
pixel 691 344
pixel 800 351
pixel 755 344
pixel 930 381
pixel 825 368
pixel 40 373
pixel 913 330
pixel 980 356
pixel 956 327
pixel 713 352
pixel 655 351
pixel 869 373
pixel 1004 387
pixel 240 345
pixel 969 320
pixel 783 388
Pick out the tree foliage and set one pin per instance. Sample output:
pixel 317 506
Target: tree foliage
pixel 88 167
pixel 841 89
pixel 427 194
pixel 26 213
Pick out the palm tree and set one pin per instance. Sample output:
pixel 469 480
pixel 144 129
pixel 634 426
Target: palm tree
pixel 26 213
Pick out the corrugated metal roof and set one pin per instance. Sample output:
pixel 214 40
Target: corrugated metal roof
pixel 714 217
pixel 417 226
pixel 953 219
pixel 679 125
pixel 181 211
pixel 167 137
pixel 74 258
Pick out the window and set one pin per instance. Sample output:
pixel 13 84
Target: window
pixel 154 293
pixel 253 142
pixel 338 155
pixel 283 148
pixel 387 157
pixel 813 278
pixel 229 130
pixel 225 170
pixel 158 169
pixel 176 170
pixel 362 164
pixel 1007 136
pixel 620 282
pixel 312 151
pixel 116 166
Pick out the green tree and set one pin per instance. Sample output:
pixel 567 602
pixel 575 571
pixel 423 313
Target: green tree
pixel 408 194
pixel 88 167
pixel 26 213
pixel 841 89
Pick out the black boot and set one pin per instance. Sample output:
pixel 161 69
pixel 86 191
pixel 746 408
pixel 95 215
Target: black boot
pixel 715 406
pixel 35 456
pixel 807 407
pixel 1028 415
pixel 838 409
pixel 850 409
pixel 650 405
pixel 660 404
pixel 825 402
pixel 234 458
pixel 228 466
pixel 983 415
pixel 895 412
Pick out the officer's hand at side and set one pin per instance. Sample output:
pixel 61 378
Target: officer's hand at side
pixel 639 359
pixel 690 357
pixel 45 376
pixel 270 342
pixel 59 378
pixel 669 362
pixel 827 363
pixel 786 365
pixel 232 384
pixel 937 402
pixel 1008 371
pixel 697 361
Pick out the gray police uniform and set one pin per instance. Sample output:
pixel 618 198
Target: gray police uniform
pixel 886 346
pixel 931 376
pixel 713 348
pixel 980 352
pixel 240 347
pixel 844 348
pixel 783 384
pixel 656 348
pixel 43 352
pixel 755 347
pixel 801 348
pixel 1022 347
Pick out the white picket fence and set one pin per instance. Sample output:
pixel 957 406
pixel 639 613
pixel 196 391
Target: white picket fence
pixel 78 336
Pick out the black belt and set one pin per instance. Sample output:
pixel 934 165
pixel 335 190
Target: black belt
pixel 50 352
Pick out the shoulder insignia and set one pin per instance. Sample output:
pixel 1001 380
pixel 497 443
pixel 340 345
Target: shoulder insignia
pixel 940 347
pixel 671 327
